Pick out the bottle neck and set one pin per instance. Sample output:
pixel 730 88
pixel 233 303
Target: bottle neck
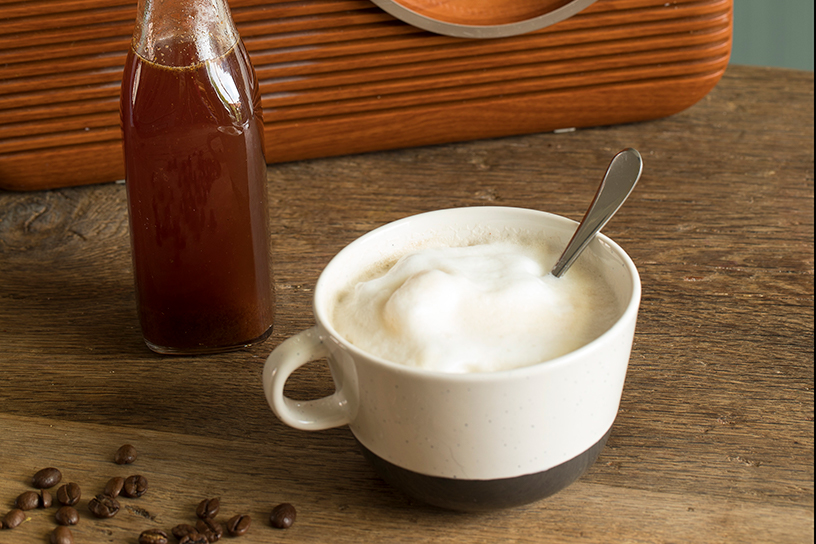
pixel 178 33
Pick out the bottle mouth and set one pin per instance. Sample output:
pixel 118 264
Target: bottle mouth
pixel 183 34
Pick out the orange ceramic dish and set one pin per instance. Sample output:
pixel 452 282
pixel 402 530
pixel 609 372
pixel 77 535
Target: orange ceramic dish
pixel 482 18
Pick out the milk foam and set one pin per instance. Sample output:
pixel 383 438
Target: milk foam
pixel 478 308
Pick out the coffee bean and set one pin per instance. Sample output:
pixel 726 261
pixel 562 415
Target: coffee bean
pixel 183 529
pixel 13 518
pixel 46 478
pixel 283 516
pixel 62 535
pixel 134 486
pixel 103 506
pixel 193 538
pixel 210 529
pixel 153 536
pixel 114 486
pixel 28 500
pixel 44 499
pixel 125 455
pixel 208 508
pixel 69 494
pixel 238 525
pixel 67 515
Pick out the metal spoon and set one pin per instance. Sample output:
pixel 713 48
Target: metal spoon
pixel 618 182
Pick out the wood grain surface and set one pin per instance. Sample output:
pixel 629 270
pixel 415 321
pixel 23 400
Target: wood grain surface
pixel 714 440
pixel 337 76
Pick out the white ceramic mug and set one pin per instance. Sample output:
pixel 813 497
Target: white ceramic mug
pixel 471 441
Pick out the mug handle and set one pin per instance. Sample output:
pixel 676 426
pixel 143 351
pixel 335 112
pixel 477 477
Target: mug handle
pixel 311 415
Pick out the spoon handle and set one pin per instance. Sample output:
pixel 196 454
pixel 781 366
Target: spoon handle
pixel 619 181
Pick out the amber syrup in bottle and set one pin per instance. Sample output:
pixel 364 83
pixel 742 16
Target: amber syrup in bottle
pixel 196 186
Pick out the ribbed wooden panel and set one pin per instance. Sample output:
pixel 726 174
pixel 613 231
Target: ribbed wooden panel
pixel 342 76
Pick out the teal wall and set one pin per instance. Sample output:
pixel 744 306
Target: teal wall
pixel 773 33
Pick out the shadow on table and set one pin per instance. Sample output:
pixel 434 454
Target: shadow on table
pixel 72 302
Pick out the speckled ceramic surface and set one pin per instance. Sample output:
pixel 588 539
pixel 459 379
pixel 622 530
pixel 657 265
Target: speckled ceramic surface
pixel 484 495
pixel 479 426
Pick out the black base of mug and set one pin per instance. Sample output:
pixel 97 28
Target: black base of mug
pixel 485 495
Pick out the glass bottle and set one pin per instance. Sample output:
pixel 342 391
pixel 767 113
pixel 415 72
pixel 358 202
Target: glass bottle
pixel 196 180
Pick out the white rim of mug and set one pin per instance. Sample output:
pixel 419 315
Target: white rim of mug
pixel 632 306
pixel 407 15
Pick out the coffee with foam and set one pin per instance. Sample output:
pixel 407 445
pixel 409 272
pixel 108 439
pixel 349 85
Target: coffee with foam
pixel 486 305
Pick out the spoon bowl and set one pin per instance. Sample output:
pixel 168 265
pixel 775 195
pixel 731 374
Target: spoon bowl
pixel 618 183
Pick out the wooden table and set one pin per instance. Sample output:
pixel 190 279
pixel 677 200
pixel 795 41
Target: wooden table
pixel 714 441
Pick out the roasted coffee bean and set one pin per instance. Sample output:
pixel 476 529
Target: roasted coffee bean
pixel 103 506
pixel 210 529
pixel 125 455
pixel 28 500
pixel 153 536
pixel 62 535
pixel 208 508
pixel 114 486
pixel 46 478
pixel 283 516
pixel 44 499
pixel 193 538
pixel 69 494
pixel 238 525
pixel 183 529
pixel 134 486
pixel 13 518
pixel 67 515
